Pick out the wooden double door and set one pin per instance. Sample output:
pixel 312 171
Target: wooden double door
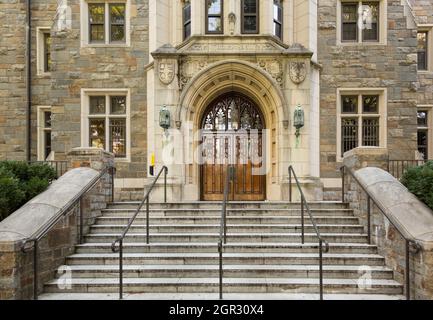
pixel 232 136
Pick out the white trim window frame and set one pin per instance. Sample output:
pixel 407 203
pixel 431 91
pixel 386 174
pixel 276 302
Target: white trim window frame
pixel 44 127
pixel 360 21
pixel 428 28
pixel 107 24
pixel 108 120
pixel 42 52
pixel 360 115
pixel 427 127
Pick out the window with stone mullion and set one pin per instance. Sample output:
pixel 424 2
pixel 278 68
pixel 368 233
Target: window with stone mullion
pixel 107 124
pixel 250 16
pixel 214 16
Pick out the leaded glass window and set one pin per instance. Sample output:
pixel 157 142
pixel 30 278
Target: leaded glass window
pixel 250 16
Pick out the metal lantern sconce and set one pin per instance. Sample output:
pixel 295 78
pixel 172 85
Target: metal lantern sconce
pixel 299 122
pixel 164 118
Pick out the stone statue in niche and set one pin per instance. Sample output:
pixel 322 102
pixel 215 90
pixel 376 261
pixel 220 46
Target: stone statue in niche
pixel 298 72
pixel 232 23
pixel 166 71
pixel 63 16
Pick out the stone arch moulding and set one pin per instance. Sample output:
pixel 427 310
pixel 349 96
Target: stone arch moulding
pixel 229 75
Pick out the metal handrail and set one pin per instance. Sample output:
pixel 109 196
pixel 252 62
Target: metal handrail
pixel 323 244
pixel 223 228
pixel 65 209
pixel 370 199
pixel 120 240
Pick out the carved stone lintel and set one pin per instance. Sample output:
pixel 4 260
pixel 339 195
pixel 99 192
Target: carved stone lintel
pixel 297 71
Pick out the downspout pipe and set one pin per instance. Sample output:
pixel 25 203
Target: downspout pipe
pixel 29 80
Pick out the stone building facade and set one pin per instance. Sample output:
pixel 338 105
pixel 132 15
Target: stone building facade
pixel 186 56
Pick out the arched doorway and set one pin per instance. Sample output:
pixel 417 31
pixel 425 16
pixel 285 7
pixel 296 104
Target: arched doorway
pixel 232 134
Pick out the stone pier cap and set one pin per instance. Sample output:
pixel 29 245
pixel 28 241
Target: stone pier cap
pixel 403 208
pixel 41 211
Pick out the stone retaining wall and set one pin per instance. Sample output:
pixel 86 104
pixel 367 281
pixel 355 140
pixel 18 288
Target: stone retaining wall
pixel 16 267
pixel 404 211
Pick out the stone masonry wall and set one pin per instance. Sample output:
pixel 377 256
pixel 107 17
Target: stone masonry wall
pixel 391 66
pixel 12 80
pixel 423 10
pixel 76 68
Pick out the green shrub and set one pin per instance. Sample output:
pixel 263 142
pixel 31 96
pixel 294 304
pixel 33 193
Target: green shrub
pixel 419 181
pixel 20 182
pixel 11 194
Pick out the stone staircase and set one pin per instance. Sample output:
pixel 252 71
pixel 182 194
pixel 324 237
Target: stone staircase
pixel 263 255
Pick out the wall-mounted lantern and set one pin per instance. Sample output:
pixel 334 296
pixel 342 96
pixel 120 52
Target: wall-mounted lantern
pixel 299 122
pixel 164 118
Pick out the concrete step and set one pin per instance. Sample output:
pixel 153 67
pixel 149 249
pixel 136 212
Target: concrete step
pixel 216 212
pixel 230 271
pixel 231 237
pixel 239 228
pixel 229 258
pixel 231 285
pixel 229 248
pixel 232 204
pixel 215 296
pixel 123 220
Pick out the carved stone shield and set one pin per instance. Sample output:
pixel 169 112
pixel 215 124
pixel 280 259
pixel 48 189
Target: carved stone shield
pixel 166 71
pixel 297 72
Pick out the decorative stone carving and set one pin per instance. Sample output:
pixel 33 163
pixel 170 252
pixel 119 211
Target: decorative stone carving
pixel 297 71
pixel 246 47
pixel 189 68
pixel 167 71
pixel 232 23
pixel 274 68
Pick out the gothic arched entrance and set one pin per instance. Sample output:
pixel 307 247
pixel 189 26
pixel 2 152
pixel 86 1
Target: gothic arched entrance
pixel 232 134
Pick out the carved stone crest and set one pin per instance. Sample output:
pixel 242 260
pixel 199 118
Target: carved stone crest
pixel 297 72
pixel 166 71
pixel 274 68
pixel 188 69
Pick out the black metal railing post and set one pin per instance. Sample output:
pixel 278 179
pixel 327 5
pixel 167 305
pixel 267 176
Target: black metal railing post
pixel 165 184
pixel 35 270
pixel 290 186
pixel 321 268
pixel 112 173
pixel 120 240
pixel 147 222
pixel 322 242
pixel 343 187
pixel 221 271
pixel 369 218
pixel 407 274
pixel 121 269
pixel 81 219
pixel 223 227
pixel 302 222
